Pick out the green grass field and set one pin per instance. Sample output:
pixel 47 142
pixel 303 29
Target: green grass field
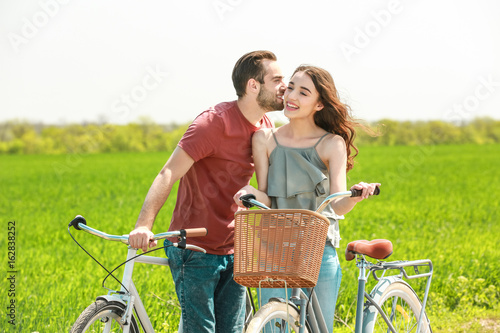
pixel 437 202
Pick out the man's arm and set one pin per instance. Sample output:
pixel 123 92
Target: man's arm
pixel 176 167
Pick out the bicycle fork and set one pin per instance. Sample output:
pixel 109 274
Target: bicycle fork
pixel 301 303
pixel 129 296
pixel 310 310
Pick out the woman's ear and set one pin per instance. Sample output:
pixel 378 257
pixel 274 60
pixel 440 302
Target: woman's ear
pixel 319 106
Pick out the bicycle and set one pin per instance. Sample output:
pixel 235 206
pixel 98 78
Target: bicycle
pixel 391 306
pixel 123 309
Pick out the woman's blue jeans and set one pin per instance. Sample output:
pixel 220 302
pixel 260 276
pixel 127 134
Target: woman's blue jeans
pixel 327 288
pixel 211 301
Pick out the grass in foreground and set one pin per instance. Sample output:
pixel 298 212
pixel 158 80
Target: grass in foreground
pixel 436 203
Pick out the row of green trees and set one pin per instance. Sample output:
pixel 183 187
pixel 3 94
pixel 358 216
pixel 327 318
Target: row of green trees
pixel 391 133
pixel 21 137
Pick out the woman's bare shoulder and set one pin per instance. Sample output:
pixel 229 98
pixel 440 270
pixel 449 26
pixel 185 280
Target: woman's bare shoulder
pixel 263 134
pixel 333 143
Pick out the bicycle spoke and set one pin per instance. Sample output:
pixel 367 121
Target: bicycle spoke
pixel 272 317
pixel 399 314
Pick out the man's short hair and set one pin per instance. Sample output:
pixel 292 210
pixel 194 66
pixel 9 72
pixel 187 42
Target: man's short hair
pixel 249 66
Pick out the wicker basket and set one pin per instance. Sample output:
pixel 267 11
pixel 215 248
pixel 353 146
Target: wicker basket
pixel 278 244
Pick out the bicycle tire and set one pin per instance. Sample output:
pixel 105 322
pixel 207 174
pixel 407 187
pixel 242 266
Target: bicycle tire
pixel 401 305
pixel 97 314
pixel 275 315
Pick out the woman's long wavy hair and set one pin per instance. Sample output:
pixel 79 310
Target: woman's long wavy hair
pixel 335 117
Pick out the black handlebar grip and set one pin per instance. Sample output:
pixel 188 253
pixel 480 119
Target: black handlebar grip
pixel 76 220
pixel 357 193
pixel 245 200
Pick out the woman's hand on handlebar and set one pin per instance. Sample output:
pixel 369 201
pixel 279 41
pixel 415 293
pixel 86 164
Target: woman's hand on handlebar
pixel 142 238
pixel 367 189
pixel 248 189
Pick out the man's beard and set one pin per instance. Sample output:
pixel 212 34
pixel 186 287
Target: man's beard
pixel 268 101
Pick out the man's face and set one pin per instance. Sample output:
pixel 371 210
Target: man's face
pixel 271 92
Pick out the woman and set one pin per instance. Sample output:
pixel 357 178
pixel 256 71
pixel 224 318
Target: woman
pixel 299 164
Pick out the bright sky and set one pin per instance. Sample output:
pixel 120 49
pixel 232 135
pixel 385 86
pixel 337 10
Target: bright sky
pixel 65 61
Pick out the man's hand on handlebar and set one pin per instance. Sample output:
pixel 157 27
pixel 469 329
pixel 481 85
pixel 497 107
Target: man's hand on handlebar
pixel 142 238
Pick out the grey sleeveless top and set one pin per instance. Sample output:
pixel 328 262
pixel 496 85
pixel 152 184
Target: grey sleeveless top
pixel 299 179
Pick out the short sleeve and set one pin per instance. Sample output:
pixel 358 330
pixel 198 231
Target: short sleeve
pixel 203 136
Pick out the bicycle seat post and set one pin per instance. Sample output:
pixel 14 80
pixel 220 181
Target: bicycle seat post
pixel 361 263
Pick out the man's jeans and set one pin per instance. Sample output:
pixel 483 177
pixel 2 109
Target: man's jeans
pixel 327 288
pixel 211 301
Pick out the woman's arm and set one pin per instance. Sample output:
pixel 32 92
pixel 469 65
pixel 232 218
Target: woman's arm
pixel 261 161
pixel 335 153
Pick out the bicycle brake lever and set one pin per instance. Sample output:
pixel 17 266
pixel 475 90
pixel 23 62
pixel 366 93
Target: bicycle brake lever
pixel 189 247
pixel 196 248
pixel 182 243
pixel 182 240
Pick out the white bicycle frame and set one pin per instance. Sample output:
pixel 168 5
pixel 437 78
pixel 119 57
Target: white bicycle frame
pixel 131 299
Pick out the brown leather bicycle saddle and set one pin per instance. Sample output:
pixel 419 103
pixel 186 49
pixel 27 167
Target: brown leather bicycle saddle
pixel 377 249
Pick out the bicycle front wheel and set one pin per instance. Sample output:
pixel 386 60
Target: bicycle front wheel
pixel 103 316
pixel 275 317
pixel 401 306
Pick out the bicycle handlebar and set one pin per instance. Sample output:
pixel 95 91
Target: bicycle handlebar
pixel 350 193
pixel 249 201
pixel 196 232
pixel 79 223
pixel 357 193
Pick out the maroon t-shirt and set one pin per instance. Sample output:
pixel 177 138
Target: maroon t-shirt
pixel 220 142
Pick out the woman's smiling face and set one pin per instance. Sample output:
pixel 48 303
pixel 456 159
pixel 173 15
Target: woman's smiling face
pixel 301 97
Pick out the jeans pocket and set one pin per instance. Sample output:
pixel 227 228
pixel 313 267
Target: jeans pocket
pixel 166 245
pixel 177 257
pixel 187 255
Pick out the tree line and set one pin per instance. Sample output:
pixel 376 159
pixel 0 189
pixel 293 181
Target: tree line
pixel 22 137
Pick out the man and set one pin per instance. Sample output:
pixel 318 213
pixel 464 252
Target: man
pixel 213 161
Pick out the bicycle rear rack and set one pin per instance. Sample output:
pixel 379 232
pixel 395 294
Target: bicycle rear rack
pixel 401 267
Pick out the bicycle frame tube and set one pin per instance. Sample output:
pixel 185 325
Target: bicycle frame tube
pixel 363 276
pixel 362 263
pixel 129 268
pixel 140 310
pixel 316 320
pixel 132 298
pixel 308 307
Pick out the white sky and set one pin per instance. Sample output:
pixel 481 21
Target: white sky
pixel 87 60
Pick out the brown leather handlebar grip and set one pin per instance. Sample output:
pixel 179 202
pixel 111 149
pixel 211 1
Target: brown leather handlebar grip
pixel 196 232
